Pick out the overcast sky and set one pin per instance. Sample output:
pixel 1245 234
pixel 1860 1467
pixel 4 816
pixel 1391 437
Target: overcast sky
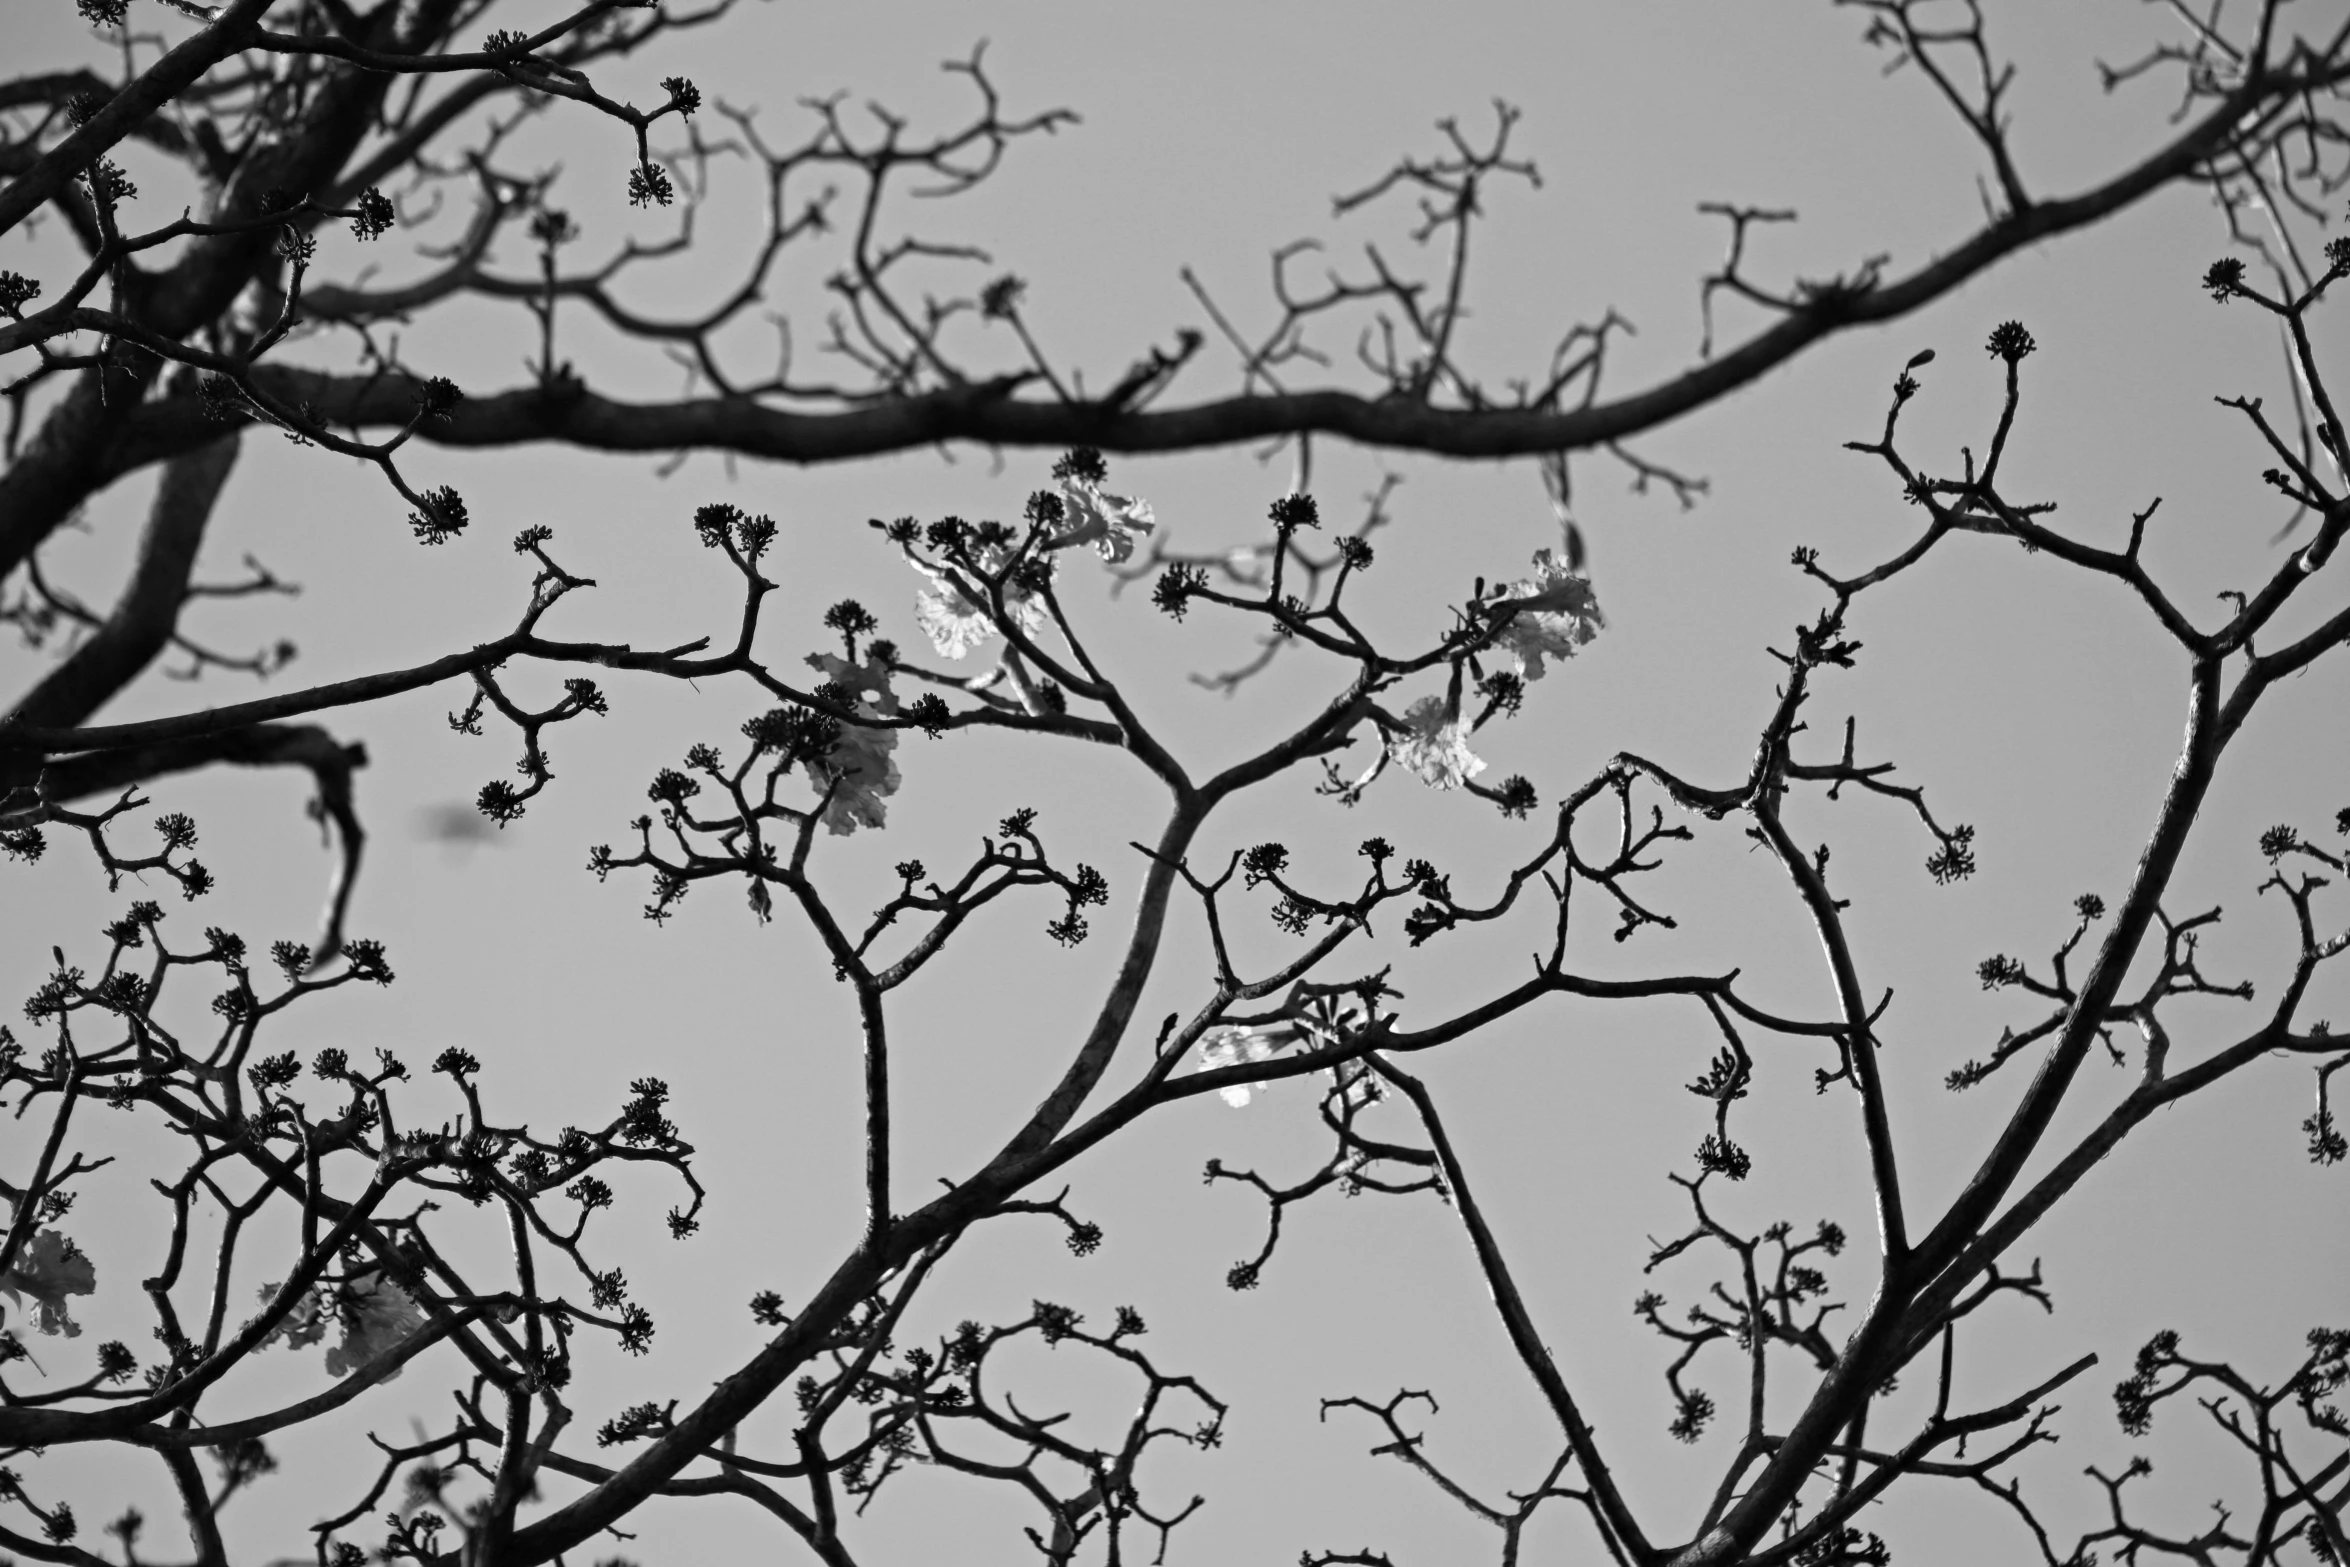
pixel 2040 706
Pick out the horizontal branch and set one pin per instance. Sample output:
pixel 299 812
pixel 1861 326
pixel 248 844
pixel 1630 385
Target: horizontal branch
pixel 990 412
pixel 262 710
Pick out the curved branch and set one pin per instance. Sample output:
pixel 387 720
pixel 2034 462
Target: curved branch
pixel 233 29
pixel 987 413
pixel 141 624
pixel 329 761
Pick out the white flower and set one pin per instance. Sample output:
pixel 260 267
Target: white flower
pixel 956 624
pixel 953 623
pixel 49 1267
pixel 1237 1044
pixel 1433 744
pixel 1553 612
pixel 1105 521
pixel 862 761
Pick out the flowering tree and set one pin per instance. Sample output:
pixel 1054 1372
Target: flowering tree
pixel 474 1247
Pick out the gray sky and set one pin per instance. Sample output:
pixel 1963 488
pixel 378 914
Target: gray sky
pixel 2036 704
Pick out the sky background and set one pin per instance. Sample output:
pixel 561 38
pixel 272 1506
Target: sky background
pixel 2035 703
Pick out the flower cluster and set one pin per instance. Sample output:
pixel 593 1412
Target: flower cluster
pixel 1553 613
pixel 1432 742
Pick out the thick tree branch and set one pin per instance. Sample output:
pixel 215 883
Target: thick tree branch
pixel 143 619
pixel 989 412
pixel 233 29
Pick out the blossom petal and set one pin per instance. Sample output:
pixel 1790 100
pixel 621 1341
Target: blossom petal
pixel 1107 522
pixel 956 624
pixel 1433 745
pixel 953 623
pixel 1552 613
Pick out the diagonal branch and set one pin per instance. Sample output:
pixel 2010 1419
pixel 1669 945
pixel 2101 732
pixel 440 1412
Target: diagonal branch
pixel 1614 1514
pixel 141 624
pixel 232 29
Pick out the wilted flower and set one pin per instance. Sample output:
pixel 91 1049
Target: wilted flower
pixel 1433 742
pixel 1554 612
pixel 304 1323
pixel 861 761
pixel 1105 521
pixel 376 1316
pixel 48 1268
